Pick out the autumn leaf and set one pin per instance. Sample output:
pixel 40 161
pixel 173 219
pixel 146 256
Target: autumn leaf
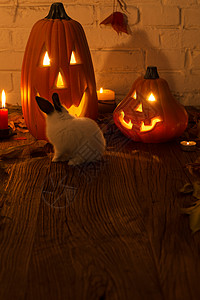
pixel 194 216
pixel 193 211
pixel 13 152
pixel 187 188
pixel 118 21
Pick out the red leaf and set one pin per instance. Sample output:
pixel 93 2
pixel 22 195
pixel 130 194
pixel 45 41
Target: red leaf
pixel 118 21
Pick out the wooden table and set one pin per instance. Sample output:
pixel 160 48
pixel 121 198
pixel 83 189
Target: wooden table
pixel 111 230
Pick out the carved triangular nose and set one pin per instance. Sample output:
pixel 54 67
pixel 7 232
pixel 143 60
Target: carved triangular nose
pixel 60 82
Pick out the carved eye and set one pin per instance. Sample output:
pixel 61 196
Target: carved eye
pixel 134 95
pixel 74 59
pixel 46 60
pixel 151 97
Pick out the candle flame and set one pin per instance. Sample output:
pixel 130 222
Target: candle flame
pixel 3 98
pixel 101 90
pixel 151 97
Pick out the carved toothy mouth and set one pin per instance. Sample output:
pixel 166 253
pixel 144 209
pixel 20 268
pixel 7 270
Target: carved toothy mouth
pixel 142 126
pixel 78 110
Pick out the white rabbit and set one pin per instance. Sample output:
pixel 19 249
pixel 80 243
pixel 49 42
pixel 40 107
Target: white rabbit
pixel 76 139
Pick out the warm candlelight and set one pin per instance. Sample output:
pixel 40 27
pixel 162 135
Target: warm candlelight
pixel 3 112
pixel 106 100
pixel 105 94
pixel 188 145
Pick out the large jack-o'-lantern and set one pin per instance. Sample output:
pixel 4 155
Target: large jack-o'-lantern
pixel 57 59
pixel 150 113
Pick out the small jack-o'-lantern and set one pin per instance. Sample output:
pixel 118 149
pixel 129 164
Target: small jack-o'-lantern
pixel 149 113
pixel 57 59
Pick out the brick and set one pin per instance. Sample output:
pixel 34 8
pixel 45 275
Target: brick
pixel 5 39
pixel 102 37
pixel 20 38
pixel 192 80
pixel 35 2
pixel 132 15
pixel 170 38
pixel 84 14
pixel 5 81
pixel 191 17
pixel 191 39
pixel 175 80
pixel 16 77
pixel 118 82
pixel 7 16
pixel 112 61
pixel 180 3
pixel 196 59
pixel 160 15
pixel 9 2
pixel 11 60
pixel 148 38
pixel 192 98
pixel 13 98
pixel 143 1
pixel 28 16
pixel 166 59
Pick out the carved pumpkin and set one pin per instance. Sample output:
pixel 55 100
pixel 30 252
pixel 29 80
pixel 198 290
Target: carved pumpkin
pixel 149 113
pixel 57 59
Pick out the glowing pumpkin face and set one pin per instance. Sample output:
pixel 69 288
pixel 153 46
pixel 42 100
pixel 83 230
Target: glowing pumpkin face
pixel 149 113
pixel 57 59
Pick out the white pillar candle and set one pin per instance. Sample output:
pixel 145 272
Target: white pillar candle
pixel 105 94
pixel 188 145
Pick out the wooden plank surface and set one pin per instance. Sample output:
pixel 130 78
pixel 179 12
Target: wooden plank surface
pixel 111 230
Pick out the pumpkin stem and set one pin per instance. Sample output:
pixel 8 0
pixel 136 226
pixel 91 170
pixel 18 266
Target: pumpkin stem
pixel 151 73
pixel 57 11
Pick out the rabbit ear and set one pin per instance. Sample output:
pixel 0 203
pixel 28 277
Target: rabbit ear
pixel 44 105
pixel 56 102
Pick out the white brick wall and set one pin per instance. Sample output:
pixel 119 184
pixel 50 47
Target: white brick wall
pixel 165 33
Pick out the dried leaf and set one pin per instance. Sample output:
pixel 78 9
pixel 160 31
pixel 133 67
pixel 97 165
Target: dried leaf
pixel 13 152
pixel 194 216
pixel 22 130
pixel 196 187
pixel 12 125
pixel 118 21
pixel 194 169
pixel 187 189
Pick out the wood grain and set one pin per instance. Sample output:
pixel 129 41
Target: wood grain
pixel 98 238
pixel 17 230
pixel 109 230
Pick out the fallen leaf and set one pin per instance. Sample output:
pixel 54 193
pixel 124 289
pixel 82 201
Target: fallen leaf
pixel 196 187
pixel 13 152
pixel 187 189
pixel 118 21
pixel 194 216
pixel 194 169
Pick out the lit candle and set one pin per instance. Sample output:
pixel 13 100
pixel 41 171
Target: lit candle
pixel 104 94
pixel 106 100
pixel 3 112
pixel 188 145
